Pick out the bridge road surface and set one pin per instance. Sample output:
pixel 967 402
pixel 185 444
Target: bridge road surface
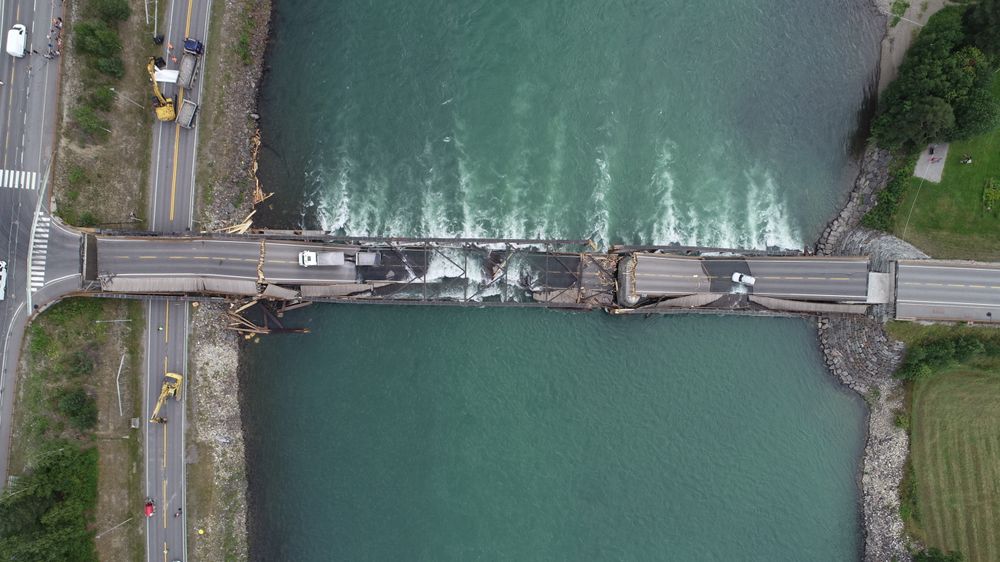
pixel 950 291
pixel 228 259
pixel 800 278
pixel 27 131
pixel 171 208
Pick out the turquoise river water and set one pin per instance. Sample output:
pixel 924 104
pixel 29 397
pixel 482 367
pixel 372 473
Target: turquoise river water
pixel 417 433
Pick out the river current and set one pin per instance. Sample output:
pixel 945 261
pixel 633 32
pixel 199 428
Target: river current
pixel 430 434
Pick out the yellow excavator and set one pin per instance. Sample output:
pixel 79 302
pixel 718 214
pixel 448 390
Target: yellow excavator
pixel 171 389
pixel 164 106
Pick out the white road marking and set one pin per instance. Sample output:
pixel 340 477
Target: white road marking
pixel 39 250
pixel 18 179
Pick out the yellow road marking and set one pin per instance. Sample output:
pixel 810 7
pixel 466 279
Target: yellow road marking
pixel 147 257
pixel 164 464
pixel 794 278
pixel 202 258
pixel 166 336
pixel 955 285
pixel 163 515
pixel 176 257
pixel 173 176
pixel 177 127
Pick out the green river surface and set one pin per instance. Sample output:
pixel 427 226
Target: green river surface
pixel 424 433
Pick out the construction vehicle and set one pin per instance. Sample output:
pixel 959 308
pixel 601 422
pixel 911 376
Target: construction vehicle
pixel 171 389
pixel 185 115
pixel 164 106
pixel 189 62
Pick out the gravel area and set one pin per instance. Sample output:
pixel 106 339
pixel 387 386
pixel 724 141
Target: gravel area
pixel 218 507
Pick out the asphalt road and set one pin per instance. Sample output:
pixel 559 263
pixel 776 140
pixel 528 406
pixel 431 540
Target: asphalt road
pixel 166 351
pixel 27 129
pixel 230 259
pixel 936 290
pixel 171 208
pixel 800 278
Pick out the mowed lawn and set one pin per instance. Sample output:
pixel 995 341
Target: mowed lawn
pixel 948 219
pixel 956 460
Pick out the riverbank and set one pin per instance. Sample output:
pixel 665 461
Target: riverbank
pixel 858 351
pixel 216 455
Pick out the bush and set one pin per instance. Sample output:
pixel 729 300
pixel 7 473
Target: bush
pixel 78 364
pixel 931 356
pixel 902 421
pixel 991 195
pixel 111 66
pixel 909 509
pixel 935 555
pixel 89 122
pixel 111 11
pixel 87 219
pixel 899 8
pixel 103 99
pixel 883 215
pixel 97 39
pixel 79 408
pixel 77 175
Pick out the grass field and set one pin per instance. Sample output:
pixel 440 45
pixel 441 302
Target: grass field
pixel 956 460
pixel 948 219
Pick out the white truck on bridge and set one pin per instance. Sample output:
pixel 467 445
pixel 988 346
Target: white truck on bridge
pixel 309 258
pixel 189 62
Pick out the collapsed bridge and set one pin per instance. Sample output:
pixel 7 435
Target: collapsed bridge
pixel 267 266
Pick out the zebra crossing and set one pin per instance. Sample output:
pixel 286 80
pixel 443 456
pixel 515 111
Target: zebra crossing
pixel 18 179
pixel 38 251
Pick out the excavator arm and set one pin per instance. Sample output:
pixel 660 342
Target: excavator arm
pixel 164 106
pixel 171 389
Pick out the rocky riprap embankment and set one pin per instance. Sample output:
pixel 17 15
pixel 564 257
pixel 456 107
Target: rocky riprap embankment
pixel 862 356
pixel 859 352
pixel 872 177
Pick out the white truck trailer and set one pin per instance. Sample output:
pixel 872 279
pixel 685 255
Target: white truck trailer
pixel 308 258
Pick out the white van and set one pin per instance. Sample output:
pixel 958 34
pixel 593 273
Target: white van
pixel 17 41
pixel 3 280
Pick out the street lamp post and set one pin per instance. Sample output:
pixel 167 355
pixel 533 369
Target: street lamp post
pixel 132 101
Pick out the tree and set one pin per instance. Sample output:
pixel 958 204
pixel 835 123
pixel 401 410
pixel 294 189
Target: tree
pixel 943 90
pixel 978 113
pixel 982 23
pixel 914 122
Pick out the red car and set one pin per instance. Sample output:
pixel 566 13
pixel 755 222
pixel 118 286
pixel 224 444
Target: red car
pixel 150 507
